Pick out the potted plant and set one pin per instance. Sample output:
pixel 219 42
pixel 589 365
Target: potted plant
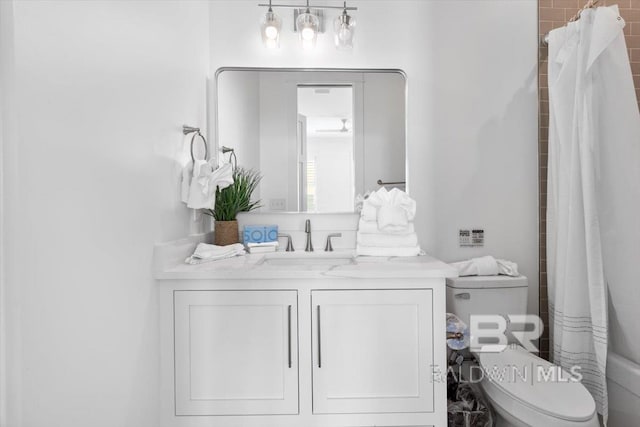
pixel 232 200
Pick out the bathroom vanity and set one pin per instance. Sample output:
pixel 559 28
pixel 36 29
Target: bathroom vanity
pixel 302 339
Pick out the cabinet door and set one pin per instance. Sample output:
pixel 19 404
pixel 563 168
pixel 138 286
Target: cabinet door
pixel 372 351
pixel 236 352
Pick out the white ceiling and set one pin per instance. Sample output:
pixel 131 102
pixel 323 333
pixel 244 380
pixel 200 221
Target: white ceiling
pixel 325 106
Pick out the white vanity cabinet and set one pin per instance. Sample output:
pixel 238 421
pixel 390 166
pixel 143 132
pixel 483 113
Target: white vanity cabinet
pixel 311 343
pixel 236 352
pixel 372 350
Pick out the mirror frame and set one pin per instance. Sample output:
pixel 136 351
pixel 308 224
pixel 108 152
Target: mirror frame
pixel 215 113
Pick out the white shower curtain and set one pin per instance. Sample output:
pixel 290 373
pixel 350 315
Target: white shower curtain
pixel 592 112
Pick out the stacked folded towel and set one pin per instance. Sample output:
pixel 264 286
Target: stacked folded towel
pixel 486 266
pixel 205 253
pixel 386 225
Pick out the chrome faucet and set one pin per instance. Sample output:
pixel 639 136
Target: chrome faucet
pixel 289 243
pixel 329 247
pixel 307 229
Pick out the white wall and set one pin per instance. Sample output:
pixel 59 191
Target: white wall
pixel 384 126
pixel 471 109
pixel 240 94
pixel 6 95
pixel 90 183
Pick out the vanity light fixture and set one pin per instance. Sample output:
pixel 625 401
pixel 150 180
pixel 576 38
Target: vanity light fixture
pixel 270 29
pixel 308 23
pixel 344 27
pixel 308 26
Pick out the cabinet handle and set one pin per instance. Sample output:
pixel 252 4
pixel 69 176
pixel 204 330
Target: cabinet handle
pixel 289 334
pixel 464 295
pixel 319 342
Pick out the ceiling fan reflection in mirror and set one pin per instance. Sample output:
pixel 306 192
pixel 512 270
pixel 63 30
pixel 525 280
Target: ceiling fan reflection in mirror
pixel 343 129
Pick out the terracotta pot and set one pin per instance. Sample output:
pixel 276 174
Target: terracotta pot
pixel 226 233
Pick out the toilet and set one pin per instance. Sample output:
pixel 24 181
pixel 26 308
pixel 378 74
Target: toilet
pixel 515 382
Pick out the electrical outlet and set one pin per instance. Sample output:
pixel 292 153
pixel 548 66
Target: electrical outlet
pixel 277 204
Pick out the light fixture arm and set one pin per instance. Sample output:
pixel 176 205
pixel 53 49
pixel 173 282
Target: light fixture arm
pixel 297 6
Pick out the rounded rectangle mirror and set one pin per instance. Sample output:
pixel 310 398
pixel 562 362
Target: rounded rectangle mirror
pixel 319 137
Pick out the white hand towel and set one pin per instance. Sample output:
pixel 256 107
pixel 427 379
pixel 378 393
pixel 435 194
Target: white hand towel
pixel 198 199
pixel 187 175
pixel 372 227
pixel 202 192
pixel 507 268
pixel 387 240
pixel 205 253
pixel 221 178
pixel 482 266
pixel 382 251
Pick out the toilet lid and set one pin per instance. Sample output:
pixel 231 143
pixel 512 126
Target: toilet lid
pixel 536 383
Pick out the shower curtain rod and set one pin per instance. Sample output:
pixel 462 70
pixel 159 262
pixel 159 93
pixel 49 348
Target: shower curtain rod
pixel 590 5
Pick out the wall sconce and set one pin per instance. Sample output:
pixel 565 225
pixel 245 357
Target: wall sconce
pixel 308 26
pixel 344 28
pixel 308 23
pixel 270 29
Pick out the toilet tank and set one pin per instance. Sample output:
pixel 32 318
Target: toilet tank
pixel 486 295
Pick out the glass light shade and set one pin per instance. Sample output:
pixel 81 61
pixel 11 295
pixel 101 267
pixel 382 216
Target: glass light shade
pixel 270 30
pixel 308 26
pixel 344 28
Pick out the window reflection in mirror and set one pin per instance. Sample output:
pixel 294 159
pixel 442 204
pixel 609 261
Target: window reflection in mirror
pixel 319 137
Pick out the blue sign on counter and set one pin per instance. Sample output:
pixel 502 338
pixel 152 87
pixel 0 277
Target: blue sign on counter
pixel 260 233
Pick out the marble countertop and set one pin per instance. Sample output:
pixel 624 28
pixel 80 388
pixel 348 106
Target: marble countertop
pixel 297 265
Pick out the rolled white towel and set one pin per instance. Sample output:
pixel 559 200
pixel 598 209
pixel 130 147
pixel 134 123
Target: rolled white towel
pixel 507 268
pixel 482 266
pixel 387 240
pixel 384 251
pixel 369 212
pixel 205 253
pixel 395 197
pixel 372 227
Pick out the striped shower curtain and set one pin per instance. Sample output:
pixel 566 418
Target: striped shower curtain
pixel 593 113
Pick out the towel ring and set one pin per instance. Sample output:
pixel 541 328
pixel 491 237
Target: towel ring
pixel 204 142
pixel 232 157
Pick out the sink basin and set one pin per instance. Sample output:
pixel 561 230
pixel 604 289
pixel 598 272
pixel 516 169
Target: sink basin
pixel 325 259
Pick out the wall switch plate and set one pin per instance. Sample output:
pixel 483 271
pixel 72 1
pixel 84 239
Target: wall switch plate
pixel 471 238
pixel 477 237
pixel 277 204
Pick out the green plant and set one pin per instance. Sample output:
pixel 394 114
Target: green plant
pixel 236 197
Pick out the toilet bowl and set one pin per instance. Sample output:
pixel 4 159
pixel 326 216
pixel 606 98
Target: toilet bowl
pixel 523 389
